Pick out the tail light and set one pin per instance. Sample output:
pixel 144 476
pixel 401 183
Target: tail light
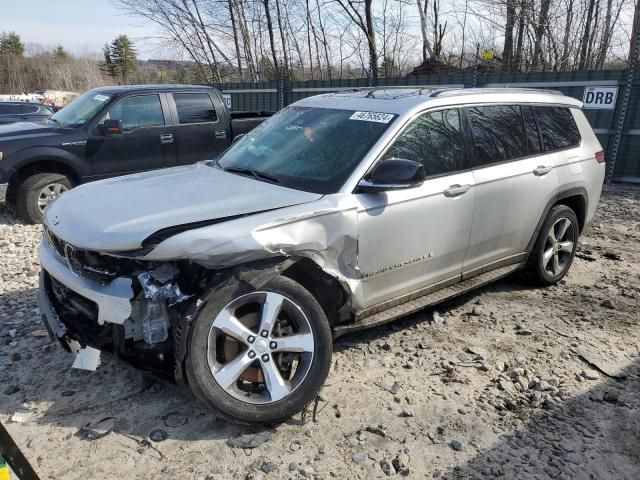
pixel 600 156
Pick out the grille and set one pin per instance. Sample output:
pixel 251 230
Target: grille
pixel 93 265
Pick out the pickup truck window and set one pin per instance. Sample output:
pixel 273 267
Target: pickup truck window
pixel 194 108
pixel 305 148
pixel 81 110
pixel 137 111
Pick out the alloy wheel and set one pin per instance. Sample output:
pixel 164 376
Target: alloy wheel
pixel 558 247
pixel 260 347
pixel 49 193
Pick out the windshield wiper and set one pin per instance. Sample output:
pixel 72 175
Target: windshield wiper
pixel 250 172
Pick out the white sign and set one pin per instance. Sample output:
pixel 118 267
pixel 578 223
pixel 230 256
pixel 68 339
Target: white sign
pixel 372 117
pixel 227 99
pixel 603 98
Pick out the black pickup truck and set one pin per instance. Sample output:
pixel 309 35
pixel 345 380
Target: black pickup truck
pixel 113 131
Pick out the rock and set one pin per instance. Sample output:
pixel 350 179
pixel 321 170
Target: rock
pixel 611 397
pixel 23 415
pixel 524 332
pixel 401 464
pixel 590 375
pixel 250 440
pixel 68 393
pixel 376 430
pixel 12 389
pixel 295 446
pixel 479 351
pixel 608 303
pixel 12 332
pixel 543 386
pixel 456 445
pixel 475 311
pixel 158 435
pixel 611 256
pixel 40 333
pixel 395 388
pixel 269 467
pixel 359 457
pixel 599 364
pixel 408 412
pixel 387 467
pixel 437 318
pixel 293 466
pixel 15 356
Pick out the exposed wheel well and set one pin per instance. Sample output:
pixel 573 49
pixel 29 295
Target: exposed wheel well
pixel 43 166
pixel 578 204
pixel 328 291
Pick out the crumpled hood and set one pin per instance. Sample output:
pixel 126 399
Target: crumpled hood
pixel 119 213
pixel 24 130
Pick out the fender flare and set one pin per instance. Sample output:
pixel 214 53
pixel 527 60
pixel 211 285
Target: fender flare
pixel 558 197
pixel 29 156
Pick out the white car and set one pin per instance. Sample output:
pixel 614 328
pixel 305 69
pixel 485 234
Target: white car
pixel 341 212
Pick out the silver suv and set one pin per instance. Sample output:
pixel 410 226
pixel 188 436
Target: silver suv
pixel 341 212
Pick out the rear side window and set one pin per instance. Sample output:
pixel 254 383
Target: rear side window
pixel 557 127
pixel 533 139
pixel 9 109
pixel 194 108
pixel 498 134
pixel 433 139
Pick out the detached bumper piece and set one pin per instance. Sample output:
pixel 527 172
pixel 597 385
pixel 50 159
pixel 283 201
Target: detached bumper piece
pixel 84 315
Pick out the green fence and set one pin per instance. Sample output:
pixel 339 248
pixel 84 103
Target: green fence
pixel 273 95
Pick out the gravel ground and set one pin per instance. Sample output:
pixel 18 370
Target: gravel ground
pixel 494 384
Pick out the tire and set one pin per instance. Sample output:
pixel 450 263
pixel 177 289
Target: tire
pixel 257 395
pixel 28 201
pixel 551 257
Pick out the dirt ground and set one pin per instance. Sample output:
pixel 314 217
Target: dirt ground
pixel 494 384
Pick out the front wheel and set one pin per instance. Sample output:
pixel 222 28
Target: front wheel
pixel 36 192
pixel 555 246
pixel 259 356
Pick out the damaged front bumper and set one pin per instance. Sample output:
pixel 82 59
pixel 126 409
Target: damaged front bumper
pixel 127 316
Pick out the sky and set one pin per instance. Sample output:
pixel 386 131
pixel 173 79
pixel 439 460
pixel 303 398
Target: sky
pixel 80 26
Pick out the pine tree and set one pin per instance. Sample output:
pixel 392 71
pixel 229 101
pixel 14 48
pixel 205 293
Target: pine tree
pixel 107 67
pixel 11 44
pixel 123 58
pixel 60 53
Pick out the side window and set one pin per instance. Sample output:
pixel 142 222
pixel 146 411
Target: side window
pixel 498 134
pixel 557 128
pixel 10 109
pixel 26 108
pixel 433 139
pixel 194 108
pixel 138 111
pixel 533 139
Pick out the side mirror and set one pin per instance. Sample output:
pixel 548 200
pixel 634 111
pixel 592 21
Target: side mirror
pixel 111 127
pixel 393 174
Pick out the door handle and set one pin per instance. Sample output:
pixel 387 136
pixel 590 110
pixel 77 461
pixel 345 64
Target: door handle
pixel 166 138
pixel 221 133
pixel 456 190
pixel 541 170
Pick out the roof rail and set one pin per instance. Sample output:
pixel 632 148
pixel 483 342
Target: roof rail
pixel 506 89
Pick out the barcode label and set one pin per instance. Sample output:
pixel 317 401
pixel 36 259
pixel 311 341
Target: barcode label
pixel 372 117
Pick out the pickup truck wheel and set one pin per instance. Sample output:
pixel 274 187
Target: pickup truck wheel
pixel 259 356
pixel 555 246
pixel 38 191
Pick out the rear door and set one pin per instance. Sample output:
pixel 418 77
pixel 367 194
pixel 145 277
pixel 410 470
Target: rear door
pixel 201 130
pixel 416 238
pixel 146 142
pixel 514 180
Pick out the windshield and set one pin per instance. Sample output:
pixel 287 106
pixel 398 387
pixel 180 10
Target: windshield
pixel 307 148
pixel 81 110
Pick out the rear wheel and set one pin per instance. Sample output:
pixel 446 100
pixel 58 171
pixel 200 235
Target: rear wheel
pixel 259 356
pixel 555 246
pixel 36 192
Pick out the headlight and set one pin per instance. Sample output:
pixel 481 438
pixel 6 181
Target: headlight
pixel 0 155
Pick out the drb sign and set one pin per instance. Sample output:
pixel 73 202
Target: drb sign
pixel 603 98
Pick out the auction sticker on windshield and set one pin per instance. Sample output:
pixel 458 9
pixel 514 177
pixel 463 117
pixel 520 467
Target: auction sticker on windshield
pixel 101 98
pixel 372 117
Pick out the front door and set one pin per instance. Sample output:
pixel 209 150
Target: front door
pixel 416 238
pixel 146 142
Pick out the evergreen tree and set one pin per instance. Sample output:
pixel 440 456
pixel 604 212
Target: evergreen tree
pixel 107 67
pixel 60 53
pixel 123 58
pixel 11 44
